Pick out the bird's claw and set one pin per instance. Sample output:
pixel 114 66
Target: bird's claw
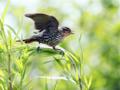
pixel 60 51
pixel 38 48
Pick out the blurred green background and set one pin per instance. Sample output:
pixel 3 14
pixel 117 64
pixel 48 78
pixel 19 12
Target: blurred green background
pixel 96 24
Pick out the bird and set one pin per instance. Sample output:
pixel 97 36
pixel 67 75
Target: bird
pixel 48 31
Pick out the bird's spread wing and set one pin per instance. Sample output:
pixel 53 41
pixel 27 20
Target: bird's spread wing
pixel 44 22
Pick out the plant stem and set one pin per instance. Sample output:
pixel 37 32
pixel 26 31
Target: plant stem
pixel 9 72
pixel 80 84
pixel 22 77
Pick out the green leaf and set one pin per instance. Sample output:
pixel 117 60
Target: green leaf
pixel 5 11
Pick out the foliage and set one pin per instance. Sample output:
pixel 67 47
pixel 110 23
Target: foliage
pixel 92 55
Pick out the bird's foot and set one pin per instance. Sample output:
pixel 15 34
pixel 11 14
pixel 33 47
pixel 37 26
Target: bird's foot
pixel 60 51
pixel 38 48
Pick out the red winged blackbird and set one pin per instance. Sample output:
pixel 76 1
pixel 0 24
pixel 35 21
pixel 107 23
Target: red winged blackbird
pixel 48 32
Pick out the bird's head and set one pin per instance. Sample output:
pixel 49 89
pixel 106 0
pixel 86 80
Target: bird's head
pixel 66 31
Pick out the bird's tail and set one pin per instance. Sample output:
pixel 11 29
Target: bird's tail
pixel 30 40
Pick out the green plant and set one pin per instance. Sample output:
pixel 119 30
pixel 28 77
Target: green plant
pixel 15 64
pixel 72 66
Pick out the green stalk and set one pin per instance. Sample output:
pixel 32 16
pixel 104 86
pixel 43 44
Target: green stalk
pixel 80 84
pixel 9 72
pixel 3 35
pixel 22 77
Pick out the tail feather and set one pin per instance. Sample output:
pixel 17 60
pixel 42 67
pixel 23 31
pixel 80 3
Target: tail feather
pixel 30 40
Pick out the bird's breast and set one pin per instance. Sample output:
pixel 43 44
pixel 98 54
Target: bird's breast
pixel 51 39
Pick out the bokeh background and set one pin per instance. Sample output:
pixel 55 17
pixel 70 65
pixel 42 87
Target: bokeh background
pixel 96 24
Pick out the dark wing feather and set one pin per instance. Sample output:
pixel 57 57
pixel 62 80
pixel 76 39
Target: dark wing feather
pixel 43 21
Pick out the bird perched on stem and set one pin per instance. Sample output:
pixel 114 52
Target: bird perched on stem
pixel 48 32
